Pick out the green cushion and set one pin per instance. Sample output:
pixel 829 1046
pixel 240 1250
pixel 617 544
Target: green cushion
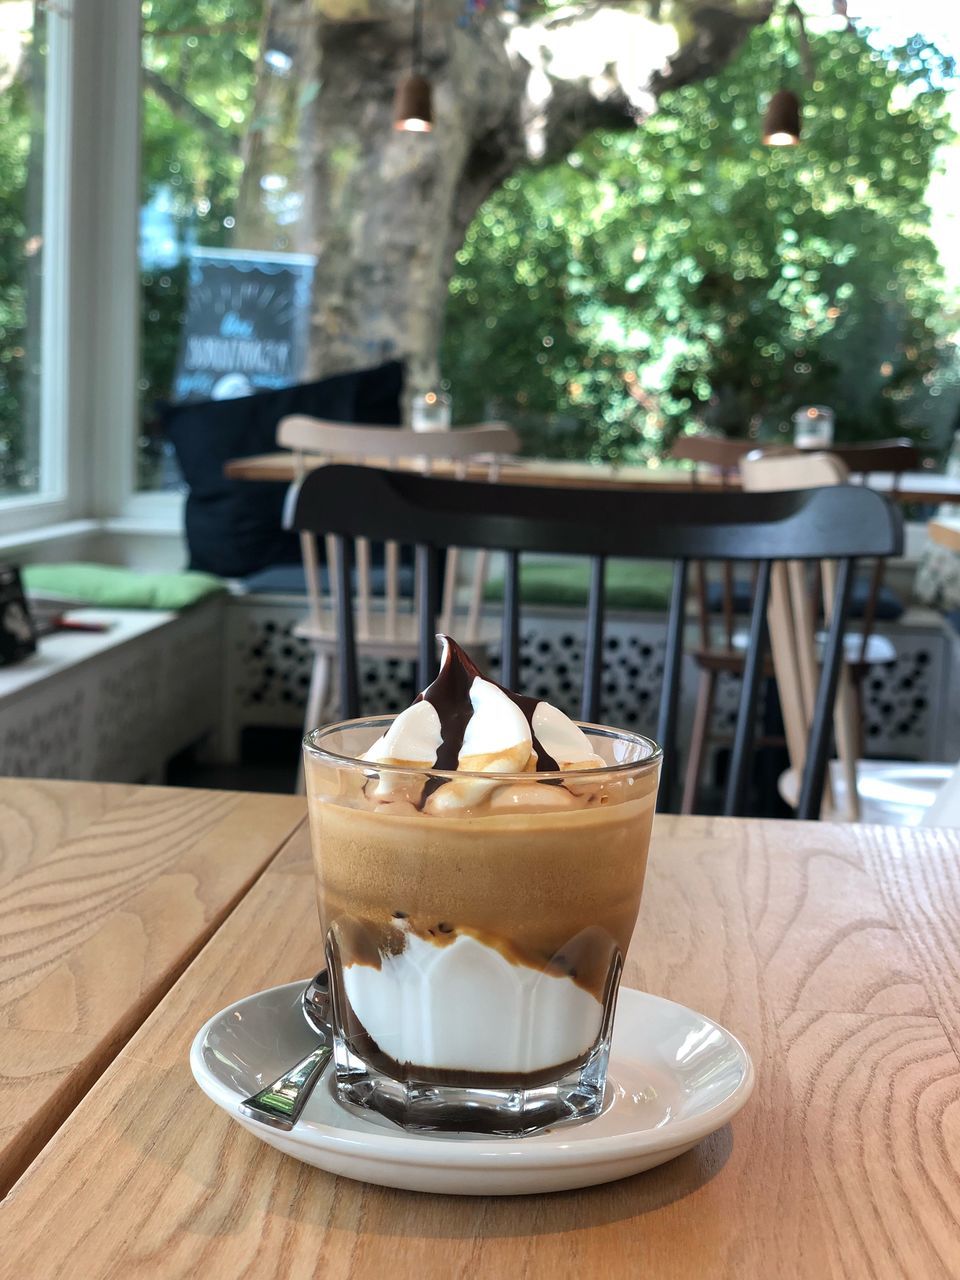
pixel 631 584
pixel 117 588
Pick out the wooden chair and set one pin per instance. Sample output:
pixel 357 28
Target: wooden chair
pixel 345 442
pixel 718 652
pixel 716 452
pixel 841 524
pixel 793 622
pixel 861 461
pixel 792 618
pixel 386 618
pixel 721 651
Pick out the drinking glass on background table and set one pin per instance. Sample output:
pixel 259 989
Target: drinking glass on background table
pixel 813 427
pixel 475 926
pixel 431 412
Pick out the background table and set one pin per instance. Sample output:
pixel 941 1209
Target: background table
pixel 914 486
pixel 833 951
pixel 946 532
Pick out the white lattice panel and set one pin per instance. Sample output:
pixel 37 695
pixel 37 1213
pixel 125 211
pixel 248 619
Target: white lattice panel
pixel 268 668
pixel 268 671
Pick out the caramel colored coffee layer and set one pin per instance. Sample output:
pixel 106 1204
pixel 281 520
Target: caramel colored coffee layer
pixel 557 890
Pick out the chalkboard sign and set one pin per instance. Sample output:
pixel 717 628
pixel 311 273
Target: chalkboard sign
pixel 246 324
pixel 18 637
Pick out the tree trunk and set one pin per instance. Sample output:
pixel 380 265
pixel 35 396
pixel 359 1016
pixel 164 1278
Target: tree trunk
pixel 385 212
pixel 285 79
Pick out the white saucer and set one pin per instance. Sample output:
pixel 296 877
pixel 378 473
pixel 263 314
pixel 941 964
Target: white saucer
pixel 674 1077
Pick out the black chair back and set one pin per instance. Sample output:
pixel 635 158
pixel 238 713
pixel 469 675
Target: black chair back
pixel 839 523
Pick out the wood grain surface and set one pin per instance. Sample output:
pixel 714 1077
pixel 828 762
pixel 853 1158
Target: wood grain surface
pixel 106 894
pixel 283 467
pixel 913 486
pixel 946 532
pixel 832 950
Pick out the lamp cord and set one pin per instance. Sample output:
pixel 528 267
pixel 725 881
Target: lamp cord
pixel 418 36
pixel 803 41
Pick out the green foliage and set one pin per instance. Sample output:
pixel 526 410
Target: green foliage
pixel 200 64
pixel 676 275
pixel 684 274
pixel 21 141
pixel 205 54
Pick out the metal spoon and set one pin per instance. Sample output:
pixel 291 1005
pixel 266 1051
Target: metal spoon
pixel 279 1104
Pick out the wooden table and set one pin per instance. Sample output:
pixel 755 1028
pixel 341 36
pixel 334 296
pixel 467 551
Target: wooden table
pixel 106 895
pixel 945 532
pixel 834 951
pixel 915 486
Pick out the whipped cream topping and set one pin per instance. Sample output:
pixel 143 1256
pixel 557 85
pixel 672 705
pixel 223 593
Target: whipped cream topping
pixel 497 732
pixel 462 721
pixel 413 738
pixel 562 739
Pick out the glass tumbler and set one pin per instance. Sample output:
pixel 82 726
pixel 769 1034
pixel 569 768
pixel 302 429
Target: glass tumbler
pixel 475 927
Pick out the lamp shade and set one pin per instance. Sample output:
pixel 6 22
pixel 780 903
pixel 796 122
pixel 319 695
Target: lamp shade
pixel 781 124
pixel 413 105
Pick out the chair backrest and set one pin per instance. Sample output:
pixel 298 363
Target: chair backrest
pixel 391 444
pixel 713 451
pixel 895 456
pixel 722 458
pixel 379 612
pixel 842 523
pixel 861 458
pixel 792 618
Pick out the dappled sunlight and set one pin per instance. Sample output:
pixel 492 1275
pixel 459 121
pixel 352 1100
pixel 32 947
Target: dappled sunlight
pixel 685 274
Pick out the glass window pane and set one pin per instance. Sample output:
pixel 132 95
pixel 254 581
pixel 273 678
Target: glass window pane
pixel 23 50
pixel 220 206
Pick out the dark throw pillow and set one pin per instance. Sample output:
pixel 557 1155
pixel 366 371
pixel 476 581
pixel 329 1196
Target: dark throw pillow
pixel 234 527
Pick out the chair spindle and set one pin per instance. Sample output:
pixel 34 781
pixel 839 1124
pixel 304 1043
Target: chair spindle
pixel 811 789
pixel 670 688
pixel 392 570
pixel 347 640
pixel 362 553
pixel 426 571
pixel 593 650
pixel 510 647
pixel 449 609
pixel 743 733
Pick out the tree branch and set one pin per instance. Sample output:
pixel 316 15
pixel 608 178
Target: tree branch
pixel 185 110
pixel 606 65
pixel 719 34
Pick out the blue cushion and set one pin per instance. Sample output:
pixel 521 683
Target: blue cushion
pixel 234 527
pixel 954 619
pixel 277 580
pixel 290 580
pixel 889 606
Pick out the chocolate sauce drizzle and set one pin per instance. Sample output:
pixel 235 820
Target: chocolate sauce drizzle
pixel 449 695
pixel 545 761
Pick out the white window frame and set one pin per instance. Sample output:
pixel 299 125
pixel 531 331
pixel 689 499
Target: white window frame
pixel 56 498
pixel 90 310
pixel 115 399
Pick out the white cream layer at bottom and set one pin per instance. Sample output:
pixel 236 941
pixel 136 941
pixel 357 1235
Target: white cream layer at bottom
pixel 463 1006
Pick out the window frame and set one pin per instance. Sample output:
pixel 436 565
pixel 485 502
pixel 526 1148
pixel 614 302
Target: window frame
pixel 90 309
pixel 52 502
pixel 116 399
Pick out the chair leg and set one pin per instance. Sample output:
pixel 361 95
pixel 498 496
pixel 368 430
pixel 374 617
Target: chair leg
pixel 698 738
pixel 857 675
pixel 316 701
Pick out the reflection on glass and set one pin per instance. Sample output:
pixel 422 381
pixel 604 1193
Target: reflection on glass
pixel 223 101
